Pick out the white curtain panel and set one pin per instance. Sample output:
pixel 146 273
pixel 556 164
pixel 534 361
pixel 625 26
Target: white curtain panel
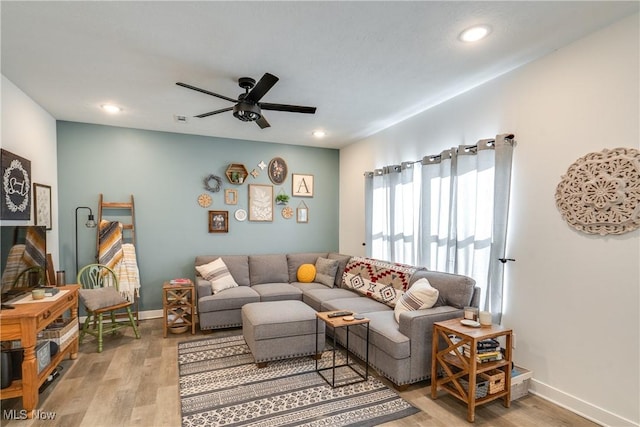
pixel 447 212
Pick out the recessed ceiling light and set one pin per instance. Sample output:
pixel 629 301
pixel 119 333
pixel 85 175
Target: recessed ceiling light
pixel 110 108
pixel 319 133
pixel 475 33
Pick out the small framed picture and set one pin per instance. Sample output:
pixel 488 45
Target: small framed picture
pixel 231 197
pixel 301 185
pixel 42 204
pixel 218 221
pixel 302 213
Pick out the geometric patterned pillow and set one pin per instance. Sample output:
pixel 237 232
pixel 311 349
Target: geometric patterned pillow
pixel 419 296
pixel 218 274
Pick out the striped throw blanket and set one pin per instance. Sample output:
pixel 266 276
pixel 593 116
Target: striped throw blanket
pixel 128 273
pixel 110 243
pixel 120 257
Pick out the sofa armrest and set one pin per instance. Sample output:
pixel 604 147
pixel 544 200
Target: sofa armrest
pixel 203 288
pixel 418 326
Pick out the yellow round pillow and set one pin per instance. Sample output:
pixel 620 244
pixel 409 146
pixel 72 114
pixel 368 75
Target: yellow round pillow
pixel 306 273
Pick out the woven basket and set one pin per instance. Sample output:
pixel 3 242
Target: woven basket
pixel 494 379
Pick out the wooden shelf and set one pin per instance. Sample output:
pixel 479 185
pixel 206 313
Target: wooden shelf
pixel 456 366
pixel 178 301
pixel 237 169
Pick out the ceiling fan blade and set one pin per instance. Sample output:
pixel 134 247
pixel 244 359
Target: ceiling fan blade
pixel 263 123
pixel 211 113
pixel 263 86
pixel 206 92
pixel 289 108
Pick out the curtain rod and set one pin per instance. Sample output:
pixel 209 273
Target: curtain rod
pixel 436 157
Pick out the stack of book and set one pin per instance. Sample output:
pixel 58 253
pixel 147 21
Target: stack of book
pixel 487 351
pixel 180 281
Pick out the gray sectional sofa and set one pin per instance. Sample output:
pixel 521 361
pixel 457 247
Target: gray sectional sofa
pixel 398 350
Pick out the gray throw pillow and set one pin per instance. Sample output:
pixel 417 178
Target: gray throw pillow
pixel 95 299
pixel 326 271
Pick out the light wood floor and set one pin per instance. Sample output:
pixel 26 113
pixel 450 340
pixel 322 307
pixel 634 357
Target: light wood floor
pixel 135 383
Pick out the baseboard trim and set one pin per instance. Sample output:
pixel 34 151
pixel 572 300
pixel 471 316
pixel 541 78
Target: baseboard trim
pixel 578 406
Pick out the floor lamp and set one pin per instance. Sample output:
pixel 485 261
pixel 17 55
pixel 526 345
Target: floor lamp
pixel 91 223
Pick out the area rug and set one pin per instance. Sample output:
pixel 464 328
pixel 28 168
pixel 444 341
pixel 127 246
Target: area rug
pixel 220 385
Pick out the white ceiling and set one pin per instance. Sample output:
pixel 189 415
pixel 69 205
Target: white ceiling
pixel 364 65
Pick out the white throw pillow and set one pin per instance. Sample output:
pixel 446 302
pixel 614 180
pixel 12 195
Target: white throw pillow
pixel 419 296
pixel 218 274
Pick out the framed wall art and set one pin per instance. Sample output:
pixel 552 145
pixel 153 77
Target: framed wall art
pixel 260 202
pixel 231 196
pixel 218 221
pixel 302 213
pixel 42 204
pixel 16 186
pixel 301 185
pixel 277 170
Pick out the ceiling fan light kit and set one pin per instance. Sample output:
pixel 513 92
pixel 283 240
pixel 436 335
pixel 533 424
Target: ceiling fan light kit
pixel 248 107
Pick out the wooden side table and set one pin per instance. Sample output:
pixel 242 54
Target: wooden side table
pixel 178 302
pixel 457 366
pixel 339 322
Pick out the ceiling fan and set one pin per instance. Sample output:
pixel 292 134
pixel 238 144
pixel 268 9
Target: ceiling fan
pixel 248 107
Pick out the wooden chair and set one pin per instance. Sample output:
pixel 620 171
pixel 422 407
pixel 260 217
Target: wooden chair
pixel 100 295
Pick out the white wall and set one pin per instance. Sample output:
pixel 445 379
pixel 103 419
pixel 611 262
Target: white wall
pixel 30 132
pixel 572 299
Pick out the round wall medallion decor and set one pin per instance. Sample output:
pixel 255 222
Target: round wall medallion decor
pixel 287 212
pixel 600 194
pixel 204 200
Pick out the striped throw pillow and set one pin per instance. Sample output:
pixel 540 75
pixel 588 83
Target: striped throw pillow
pixel 218 274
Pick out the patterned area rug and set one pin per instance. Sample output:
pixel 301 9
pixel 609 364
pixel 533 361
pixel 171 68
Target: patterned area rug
pixel 220 385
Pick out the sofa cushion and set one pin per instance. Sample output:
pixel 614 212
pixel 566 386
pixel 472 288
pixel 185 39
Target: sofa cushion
pixel 314 297
pixel 294 261
pixel 356 305
pixel 277 292
pixel 454 290
pixel 218 274
pixel 420 295
pixel 306 273
pixel 268 269
pixel 342 263
pixel 326 271
pixel 384 334
pixel 238 266
pixel 229 299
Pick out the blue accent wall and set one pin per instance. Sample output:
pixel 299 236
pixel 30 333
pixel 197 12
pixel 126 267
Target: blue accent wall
pixel 165 173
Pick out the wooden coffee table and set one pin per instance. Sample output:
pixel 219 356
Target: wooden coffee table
pixel 339 322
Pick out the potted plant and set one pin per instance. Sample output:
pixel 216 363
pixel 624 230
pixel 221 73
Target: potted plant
pixel 282 199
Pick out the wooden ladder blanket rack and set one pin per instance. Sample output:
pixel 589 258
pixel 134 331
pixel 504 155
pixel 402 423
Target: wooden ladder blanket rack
pixel 125 213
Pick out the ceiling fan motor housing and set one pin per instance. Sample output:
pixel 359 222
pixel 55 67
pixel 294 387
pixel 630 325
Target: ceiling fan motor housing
pixel 247 112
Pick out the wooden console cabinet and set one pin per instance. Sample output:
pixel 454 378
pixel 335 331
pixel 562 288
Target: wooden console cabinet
pixel 23 323
pixel 459 378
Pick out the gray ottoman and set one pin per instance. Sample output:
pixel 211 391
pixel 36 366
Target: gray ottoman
pixel 281 329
